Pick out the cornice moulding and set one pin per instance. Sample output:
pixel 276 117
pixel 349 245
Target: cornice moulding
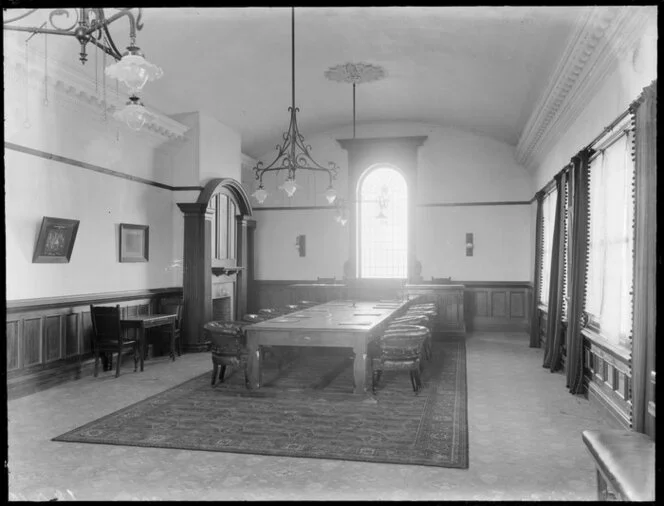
pixel 602 36
pixel 67 80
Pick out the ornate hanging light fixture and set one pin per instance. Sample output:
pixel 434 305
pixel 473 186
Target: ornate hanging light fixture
pixel 90 26
pixel 293 153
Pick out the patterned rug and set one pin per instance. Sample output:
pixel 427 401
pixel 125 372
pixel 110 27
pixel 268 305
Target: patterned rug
pixel 306 409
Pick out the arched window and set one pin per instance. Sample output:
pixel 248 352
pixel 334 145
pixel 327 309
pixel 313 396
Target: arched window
pixel 382 224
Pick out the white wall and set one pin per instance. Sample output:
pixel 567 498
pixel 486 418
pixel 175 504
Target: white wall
pixel 453 166
pixel 36 187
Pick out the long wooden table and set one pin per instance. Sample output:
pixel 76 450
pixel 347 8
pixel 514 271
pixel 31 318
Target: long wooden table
pixel 339 323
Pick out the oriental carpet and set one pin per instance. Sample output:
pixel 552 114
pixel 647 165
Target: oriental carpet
pixel 306 409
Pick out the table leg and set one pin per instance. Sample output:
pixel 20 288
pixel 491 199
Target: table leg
pixel 360 369
pixel 254 364
pixel 141 344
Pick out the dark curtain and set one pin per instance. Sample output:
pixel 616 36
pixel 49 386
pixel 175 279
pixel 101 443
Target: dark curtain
pixel 578 259
pixel 645 259
pixel 558 334
pixel 555 304
pixel 534 311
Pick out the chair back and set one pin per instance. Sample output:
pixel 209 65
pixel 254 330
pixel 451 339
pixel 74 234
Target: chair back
pixel 442 281
pixel 106 324
pixel 253 318
pixel 172 306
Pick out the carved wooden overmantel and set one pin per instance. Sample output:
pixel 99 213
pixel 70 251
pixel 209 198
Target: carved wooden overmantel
pixel 399 153
pixel 198 266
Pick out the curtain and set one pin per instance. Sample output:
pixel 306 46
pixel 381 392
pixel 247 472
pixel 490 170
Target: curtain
pixel 610 267
pixel 534 307
pixel 555 301
pixel 645 258
pixel 578 251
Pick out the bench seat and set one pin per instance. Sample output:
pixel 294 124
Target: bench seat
pixel 625 463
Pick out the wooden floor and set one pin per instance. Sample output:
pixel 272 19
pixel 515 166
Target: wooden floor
pixel 524 434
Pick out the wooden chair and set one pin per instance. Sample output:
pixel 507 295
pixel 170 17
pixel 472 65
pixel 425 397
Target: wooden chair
pixel 108 336
pixel 229 348
pixel 399 349
pixel 164 334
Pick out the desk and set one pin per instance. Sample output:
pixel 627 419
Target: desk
pixel 338 323
pixel 142 322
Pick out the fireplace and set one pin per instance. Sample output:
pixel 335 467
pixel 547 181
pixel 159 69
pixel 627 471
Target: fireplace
pixel 222 308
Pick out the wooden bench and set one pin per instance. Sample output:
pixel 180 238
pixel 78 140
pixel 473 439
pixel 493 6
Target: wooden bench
pixel 625 463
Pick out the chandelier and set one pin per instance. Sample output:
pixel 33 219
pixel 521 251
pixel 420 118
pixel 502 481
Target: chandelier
pixel 293 153
pixel 90 26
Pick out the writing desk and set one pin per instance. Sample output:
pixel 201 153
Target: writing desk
pixel 339 323
pixel 142 322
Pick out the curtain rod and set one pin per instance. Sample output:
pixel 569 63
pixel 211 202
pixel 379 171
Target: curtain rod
pixel 549 187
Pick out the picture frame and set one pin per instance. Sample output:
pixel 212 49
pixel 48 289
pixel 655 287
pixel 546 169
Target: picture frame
pixel 134 243
pixel 55 241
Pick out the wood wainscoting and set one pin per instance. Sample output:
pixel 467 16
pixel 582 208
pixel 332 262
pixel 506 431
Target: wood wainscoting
pixel 607 376
pixel 497 305
pixel 49 340
pixel 488 305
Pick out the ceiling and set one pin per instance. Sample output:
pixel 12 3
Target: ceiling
pixel 476 68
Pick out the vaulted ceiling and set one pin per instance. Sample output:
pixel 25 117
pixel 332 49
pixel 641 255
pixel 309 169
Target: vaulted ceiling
pixel 504 72
pixel 476 68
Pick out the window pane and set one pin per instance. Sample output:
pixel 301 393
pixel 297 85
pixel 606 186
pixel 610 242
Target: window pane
pixel 610 268
pixel 383 228
pixel 223 226
pixel 212 207
pixel 232 230
pixel 548 215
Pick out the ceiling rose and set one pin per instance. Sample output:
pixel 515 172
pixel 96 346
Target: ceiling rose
pixel 355 73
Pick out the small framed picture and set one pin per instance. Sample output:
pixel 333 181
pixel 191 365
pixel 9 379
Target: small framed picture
pixel 134 242
pixel 55 241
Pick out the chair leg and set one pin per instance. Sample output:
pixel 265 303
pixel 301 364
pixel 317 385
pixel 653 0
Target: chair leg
pixel 215 368
pixel 418 380
pixel 136 357
pixel 412 381
pixel 221 373
pixel 96 363
pixel 179 340
pixel 117 365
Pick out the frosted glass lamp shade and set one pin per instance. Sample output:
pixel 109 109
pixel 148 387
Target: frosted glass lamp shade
pixel 134 114
pixel 134 71
pixel 260 195
pixel 289 186
pixel 330 195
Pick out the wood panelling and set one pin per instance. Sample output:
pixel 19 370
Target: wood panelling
pixel 509 310
pixel 46 341
pixel 450 301
pixel 52 337
pixel 12 345
pixel 71 334
pixel 499 304
pixel 481 300
pixel 32 342
pixel 517 304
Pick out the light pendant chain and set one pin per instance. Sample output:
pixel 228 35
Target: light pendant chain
pixel 26 123
pixel 46 70
pixel 104 86
pixel 117 101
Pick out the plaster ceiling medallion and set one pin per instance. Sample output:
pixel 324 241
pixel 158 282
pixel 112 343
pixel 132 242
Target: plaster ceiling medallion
pixel 355 73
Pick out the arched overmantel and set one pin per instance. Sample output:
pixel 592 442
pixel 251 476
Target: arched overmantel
pixel 234 187
pixel 198 268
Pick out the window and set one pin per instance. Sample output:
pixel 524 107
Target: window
pixel 611 241
pixel 548 215
pixel 223 225
pixel 567 224
pixel 383 224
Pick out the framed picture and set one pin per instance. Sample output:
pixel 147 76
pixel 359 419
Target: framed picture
pixel 55 241
pixel 134 241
